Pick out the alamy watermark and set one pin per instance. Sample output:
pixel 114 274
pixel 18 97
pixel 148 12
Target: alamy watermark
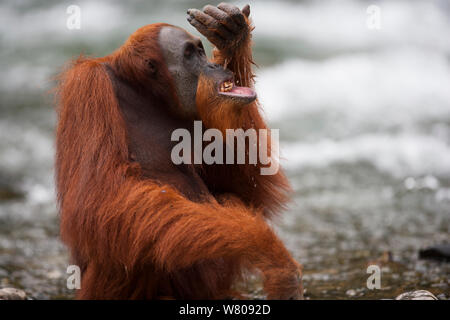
pixel 374 280
pixel 373 21
pixel 74 19
pixel 213 153
pixel 74 280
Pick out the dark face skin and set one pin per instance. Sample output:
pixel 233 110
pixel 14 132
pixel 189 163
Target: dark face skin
pixel 186 60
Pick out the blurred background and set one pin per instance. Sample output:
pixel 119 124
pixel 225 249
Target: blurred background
pixel 364 119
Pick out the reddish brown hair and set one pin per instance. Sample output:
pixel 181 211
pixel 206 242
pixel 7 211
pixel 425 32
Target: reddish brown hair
pixel 136 237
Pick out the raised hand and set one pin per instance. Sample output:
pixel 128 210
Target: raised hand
pixel 225 26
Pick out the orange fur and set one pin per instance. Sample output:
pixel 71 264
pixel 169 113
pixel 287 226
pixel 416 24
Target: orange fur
pixel 136 237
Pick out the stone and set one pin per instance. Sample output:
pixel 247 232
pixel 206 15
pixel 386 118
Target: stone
pixel 417 295
pixel 351 293
pixel 438 252
pixel 12 294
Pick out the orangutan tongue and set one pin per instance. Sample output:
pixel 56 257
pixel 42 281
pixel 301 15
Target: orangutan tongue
pixel 242 91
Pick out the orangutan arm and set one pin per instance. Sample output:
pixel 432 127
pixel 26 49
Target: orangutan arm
pixel 229 30
pixel 146 222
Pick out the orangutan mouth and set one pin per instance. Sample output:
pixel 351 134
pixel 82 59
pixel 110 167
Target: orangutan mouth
pixel 228 89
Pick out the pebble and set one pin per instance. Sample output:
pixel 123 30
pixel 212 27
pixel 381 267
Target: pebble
pixel 351 293
pixel 12 294
pixel 438 252
pixel 417 295
pixel 54 274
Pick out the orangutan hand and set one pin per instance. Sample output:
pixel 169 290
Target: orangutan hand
pixel 225 26
pixel 284 284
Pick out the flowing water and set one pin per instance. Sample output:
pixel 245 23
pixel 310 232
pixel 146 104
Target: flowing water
pixel 364 119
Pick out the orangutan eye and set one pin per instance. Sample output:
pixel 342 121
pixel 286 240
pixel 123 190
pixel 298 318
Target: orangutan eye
pixel 189 50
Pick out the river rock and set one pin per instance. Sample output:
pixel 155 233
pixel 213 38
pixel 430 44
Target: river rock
pixel 417 295
pixel 438 252
pixel 12 294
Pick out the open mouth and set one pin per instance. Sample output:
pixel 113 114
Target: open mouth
pixel 243 94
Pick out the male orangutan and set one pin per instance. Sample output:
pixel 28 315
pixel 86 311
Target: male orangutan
pixel 139 226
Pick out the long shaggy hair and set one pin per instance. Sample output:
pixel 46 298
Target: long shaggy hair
pixel 136 237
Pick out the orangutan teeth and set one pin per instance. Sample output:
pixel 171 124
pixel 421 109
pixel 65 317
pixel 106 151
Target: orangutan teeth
pixel 226 86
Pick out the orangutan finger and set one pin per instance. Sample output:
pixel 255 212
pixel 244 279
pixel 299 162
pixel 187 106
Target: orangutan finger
pixel 234 12
pixel 246 10
pixel 222 17
pixel 210 34
pixel 211 23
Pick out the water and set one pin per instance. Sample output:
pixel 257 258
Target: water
pixel 364 120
